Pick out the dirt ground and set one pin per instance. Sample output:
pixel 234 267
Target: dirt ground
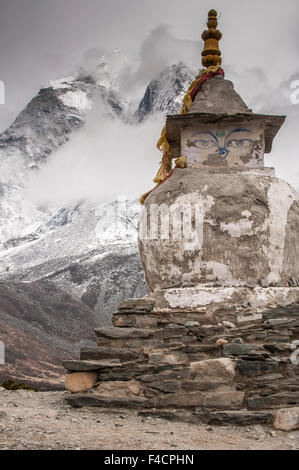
pixel 42 420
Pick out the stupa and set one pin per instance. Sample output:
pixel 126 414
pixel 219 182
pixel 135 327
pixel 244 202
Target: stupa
pixel 215 339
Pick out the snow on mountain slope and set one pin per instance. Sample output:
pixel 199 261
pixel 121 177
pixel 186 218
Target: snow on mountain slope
pixel 166 92
pixel 46 124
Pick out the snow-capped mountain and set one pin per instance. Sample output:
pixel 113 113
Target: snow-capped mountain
pixel 166 92
pixel 85 249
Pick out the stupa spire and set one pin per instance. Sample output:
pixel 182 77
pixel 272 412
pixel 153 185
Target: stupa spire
pixel 211 52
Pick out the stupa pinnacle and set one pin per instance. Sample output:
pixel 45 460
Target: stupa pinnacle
pixel 211 53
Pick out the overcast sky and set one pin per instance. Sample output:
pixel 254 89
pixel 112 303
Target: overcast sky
pixel 42 40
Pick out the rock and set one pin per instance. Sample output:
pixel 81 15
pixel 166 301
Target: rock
pixel 255 356
pixel 85 366
pixel 278 347
pixel 240 418
pixel 237 340
pixel 175 357
pixel 235 349
pixel 201 386
pixel 293 282
pixel 165 386
pixel 287 419
pixel 170 415
pixel 246 319
pixel 102 400
pixel 134 320
pixel 224 399
pixel 277 321
pixel 124 320
pixel 102 353
pixel 2 414
pixel 201 348
pixel 285 398
pixel 256 403
pixel 173 374
pixel 180 400
pixel 172 331
pixel 229 324
pixel 192 323
pixel 114 332
pixel 221 342
pixel 269 378
pixel 222 370
pixel 142 305
pixel 80 381
pixel 263 282
pixel 255 368
pixel 120 388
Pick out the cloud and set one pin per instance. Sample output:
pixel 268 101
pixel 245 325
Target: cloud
pixel 105 159
pixel 160 49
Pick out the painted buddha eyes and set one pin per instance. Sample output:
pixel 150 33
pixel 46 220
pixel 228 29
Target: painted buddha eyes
pixel 235 143
pixel 239 143
pixel 221 142
pixel 204 144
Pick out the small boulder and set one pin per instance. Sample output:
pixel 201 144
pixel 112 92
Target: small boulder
pixel 229 324
pixel 287 419
pixel 263 282
pixel 222 369
pixel 80 381
pixel 120 388
pixel 221 342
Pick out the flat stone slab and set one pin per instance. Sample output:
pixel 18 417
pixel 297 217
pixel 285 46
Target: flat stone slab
pixel 142 305
pixel 236 349
pixel 169 415
pixel 93 399
pixel 256 368
pixel 86 366
pixel 112 332
pixel 240 417
pixel 105 353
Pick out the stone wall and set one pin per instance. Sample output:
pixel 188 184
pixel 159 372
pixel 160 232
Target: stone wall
pixel 232 365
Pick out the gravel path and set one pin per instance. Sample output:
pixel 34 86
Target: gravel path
pixel 42 420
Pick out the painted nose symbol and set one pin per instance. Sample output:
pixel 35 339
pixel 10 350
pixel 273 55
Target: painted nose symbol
pixel 223 152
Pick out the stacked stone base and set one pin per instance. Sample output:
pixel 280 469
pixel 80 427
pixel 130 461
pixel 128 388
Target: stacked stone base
pixel 217 362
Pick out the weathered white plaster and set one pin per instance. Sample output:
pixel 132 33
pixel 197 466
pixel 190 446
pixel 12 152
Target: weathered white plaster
pixel 244 231
pixel 188 298
pixel 280 198
pixel 221 272
pixel 207 299
pixel 238 229
pixel 246 214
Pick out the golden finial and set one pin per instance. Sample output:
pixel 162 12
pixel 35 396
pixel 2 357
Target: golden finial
pixel 211 53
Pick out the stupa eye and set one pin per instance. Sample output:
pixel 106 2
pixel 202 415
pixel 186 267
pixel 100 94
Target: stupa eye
pixel 239 143
pixel 204 144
